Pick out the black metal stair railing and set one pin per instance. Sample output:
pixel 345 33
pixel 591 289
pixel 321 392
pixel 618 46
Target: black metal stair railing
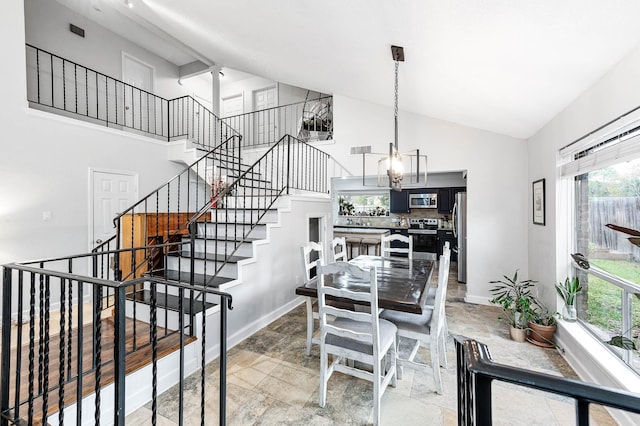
pixel 249 194
pixel 188 118
pixel 45 371
pixel 161 217
pixel 307 120
pixel 476 371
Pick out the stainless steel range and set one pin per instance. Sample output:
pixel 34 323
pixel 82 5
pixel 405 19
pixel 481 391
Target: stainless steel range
pixel 424 233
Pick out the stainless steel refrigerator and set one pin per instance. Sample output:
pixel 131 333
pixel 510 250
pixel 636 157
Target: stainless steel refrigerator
pixel 460 232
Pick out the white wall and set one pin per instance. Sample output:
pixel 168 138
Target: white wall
pixel 616 93
pixel 496 179
pixel 45 164
pixel 47 27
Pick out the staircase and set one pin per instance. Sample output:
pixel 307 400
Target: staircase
pixel 155 283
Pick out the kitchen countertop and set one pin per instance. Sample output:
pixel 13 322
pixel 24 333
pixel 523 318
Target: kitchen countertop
pixel 360 230
pixel 360 227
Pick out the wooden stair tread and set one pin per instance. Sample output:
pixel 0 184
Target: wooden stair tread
pixel 141 357
pixel 169 301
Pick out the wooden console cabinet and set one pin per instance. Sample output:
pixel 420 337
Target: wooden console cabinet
pixel 147 229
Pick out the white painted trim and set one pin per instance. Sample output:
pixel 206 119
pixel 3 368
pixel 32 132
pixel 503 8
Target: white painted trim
pixel 594 363
pixel 92 171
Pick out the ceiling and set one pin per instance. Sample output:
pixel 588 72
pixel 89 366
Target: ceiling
pixel 500 65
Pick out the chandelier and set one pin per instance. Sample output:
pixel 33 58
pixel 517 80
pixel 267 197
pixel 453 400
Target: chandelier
pixel 395 169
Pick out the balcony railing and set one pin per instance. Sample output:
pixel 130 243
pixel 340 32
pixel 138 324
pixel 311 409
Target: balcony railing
pixel 307 121
pixel 70 88
pixel 476 371
pixel 66 345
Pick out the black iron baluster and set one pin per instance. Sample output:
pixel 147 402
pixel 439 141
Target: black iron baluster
pixel 64 86
pixel 61 381
pixel 181 355
pixel 52 83
pixel 45 370
pixel 38 73
pixel 32 338
pixel 154 352
pixel 80 350
pixel 119 355
pixel 18 375
pixel 40 329
pixel 203 355
pixel 6 343
pixel 98 354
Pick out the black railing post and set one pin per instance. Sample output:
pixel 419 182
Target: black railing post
pixel 119 355
pixel 288 161
pixel 6 345
pixel 223 359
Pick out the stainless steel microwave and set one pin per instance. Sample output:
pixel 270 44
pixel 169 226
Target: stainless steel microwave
pixel 423 201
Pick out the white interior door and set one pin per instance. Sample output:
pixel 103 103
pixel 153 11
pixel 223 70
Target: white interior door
pixel 112 193
pixel 137 104
pixel 265 120
pixel 232 106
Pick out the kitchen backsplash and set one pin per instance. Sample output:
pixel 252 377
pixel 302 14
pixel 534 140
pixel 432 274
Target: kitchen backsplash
pixel 389 221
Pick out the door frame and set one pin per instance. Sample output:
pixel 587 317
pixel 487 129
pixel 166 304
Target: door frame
pixel 92 171
pixel 276 122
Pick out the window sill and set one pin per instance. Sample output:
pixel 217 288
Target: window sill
pixel 592 361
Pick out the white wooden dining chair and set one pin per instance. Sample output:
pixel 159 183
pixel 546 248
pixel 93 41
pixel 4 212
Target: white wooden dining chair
pixel 339 249
pixel 310 268
pixel 358 336
pixel 428 329
pixel 385 245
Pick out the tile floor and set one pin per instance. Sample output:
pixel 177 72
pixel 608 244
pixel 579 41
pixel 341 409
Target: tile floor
pixel 271 381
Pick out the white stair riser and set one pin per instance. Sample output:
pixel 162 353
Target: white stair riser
pixel 229 215
pixel 245 249
pixel 251 202
pixel 230 270
pixel 231 230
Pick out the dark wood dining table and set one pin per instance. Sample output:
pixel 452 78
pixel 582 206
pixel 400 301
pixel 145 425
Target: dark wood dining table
pixel 402 284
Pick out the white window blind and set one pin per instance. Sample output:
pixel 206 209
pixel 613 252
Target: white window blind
pixel 617 142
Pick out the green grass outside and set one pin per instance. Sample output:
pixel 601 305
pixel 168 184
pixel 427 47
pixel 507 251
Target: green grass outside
pixel 604 299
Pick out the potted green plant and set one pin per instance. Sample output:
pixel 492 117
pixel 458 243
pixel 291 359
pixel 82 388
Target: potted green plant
pixel 542 326
pixel 516 299
pixel 568 291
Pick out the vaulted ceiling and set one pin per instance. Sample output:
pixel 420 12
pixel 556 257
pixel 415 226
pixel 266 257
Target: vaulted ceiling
pixel 506 66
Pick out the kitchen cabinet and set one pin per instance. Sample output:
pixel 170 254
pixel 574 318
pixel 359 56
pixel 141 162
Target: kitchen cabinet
pixel 399 201
pixel 447 236
pixel 447 198
pixel 444 200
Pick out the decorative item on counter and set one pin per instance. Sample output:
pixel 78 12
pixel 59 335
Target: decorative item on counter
pixel 218 186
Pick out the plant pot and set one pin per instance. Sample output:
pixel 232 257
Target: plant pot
pixel 518 334
pixel 542 335
pixel 570 313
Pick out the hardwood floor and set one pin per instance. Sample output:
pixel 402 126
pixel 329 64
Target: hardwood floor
pixel 46 375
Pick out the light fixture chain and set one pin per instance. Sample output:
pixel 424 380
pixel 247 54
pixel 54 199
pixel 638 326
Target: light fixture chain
pixel 395 92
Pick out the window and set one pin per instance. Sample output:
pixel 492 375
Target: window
pixel 363 204
pixel 606 191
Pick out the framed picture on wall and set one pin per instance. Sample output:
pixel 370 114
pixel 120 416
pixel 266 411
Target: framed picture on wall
pixel 538 202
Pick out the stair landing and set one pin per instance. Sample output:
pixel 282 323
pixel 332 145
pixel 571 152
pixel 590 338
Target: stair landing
pixel 168 342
